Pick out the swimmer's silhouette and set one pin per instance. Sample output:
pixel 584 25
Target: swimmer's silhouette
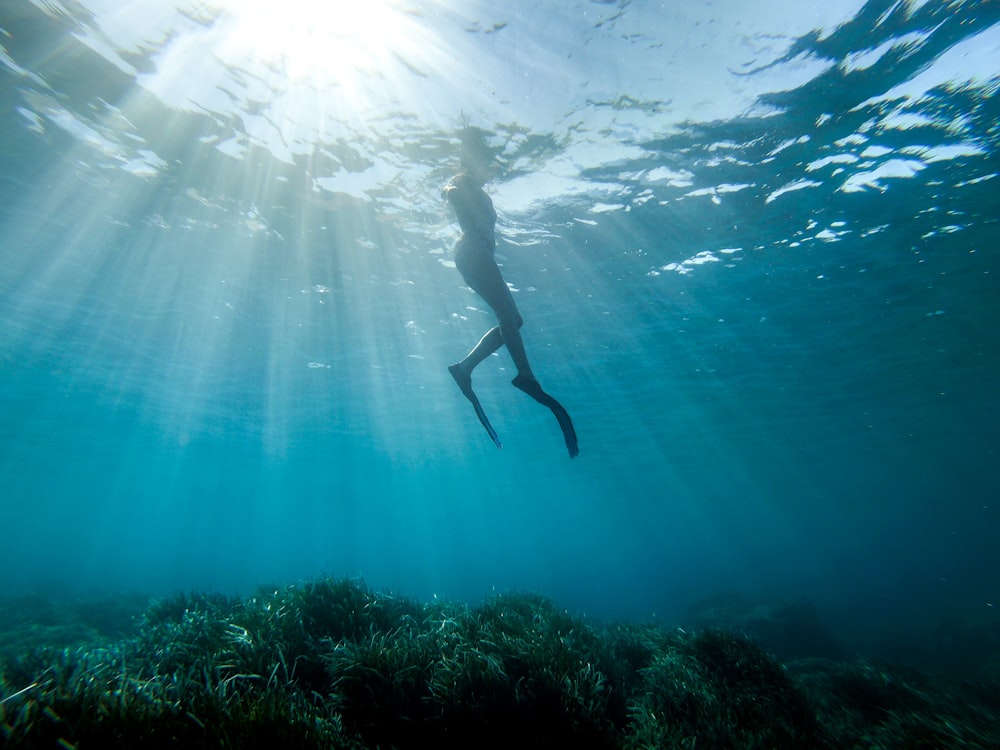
pixel 474 259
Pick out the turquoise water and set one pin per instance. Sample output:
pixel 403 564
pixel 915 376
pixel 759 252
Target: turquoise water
pixel 755 248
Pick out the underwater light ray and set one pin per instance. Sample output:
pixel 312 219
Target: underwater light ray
pixel 134 264
pixel 657 348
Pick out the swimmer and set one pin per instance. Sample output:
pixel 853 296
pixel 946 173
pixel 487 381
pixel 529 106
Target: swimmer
pixel 474 258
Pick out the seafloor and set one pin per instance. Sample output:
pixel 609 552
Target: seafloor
pixel 332 664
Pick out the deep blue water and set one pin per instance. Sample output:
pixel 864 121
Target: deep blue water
pixel 765 287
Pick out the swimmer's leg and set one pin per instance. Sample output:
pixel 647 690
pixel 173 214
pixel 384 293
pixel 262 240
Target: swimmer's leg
pixel 489 343
pixel 530 386
pixel 465 385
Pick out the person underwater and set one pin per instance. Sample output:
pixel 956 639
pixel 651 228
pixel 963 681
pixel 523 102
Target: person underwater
pixel 474 258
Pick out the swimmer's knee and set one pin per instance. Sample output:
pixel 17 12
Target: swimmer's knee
pixel 512 319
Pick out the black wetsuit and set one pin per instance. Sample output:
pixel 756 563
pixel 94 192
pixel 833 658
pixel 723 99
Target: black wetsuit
pixel 474 258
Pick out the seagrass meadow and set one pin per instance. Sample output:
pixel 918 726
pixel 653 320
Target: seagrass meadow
pixel 333 664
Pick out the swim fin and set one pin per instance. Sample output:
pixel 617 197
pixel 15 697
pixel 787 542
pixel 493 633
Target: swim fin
pixel 533 389
pixel 465 385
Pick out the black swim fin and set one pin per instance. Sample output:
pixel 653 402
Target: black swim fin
pixel 533 389
pixel 465 385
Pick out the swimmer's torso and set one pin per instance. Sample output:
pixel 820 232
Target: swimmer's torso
pixel 475 213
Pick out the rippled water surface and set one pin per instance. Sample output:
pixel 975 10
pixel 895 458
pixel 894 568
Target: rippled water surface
pixel 755 245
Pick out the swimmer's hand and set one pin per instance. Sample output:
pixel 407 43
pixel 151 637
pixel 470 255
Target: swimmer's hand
pixel 533 389
pixel 465 385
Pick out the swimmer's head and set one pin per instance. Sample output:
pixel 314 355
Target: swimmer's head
pixel 477 156
pixel 465 181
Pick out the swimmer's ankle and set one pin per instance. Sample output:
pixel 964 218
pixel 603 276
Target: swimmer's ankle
pixel 461 377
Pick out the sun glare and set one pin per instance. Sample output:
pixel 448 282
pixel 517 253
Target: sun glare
pixel 324 41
